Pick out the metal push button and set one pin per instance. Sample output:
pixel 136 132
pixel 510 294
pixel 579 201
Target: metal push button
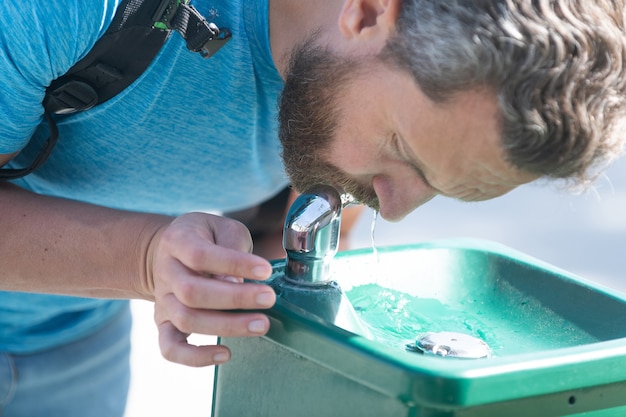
pixel 451 344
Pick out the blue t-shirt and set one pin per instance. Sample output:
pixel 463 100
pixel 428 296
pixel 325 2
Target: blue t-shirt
pixel 189 134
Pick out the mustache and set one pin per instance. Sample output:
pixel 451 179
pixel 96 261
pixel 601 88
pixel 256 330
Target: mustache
pixel 362 193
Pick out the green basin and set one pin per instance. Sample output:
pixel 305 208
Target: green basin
pixel 558 342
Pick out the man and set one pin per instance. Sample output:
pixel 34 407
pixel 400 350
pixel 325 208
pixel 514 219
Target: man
pixel 392 101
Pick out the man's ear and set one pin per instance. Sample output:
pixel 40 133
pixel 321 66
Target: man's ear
pixel 368 18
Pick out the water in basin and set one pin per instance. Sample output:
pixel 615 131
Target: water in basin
pixel 514 306
pixel 511 324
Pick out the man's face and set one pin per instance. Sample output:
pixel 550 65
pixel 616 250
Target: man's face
pixel 367 129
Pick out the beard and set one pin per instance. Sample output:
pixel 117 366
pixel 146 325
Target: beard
pixel 308 118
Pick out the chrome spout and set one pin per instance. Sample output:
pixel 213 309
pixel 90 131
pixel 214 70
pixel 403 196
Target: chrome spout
pixel 311 235
pixel 311 240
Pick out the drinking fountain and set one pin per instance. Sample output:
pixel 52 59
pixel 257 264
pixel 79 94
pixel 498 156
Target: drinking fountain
pixel 450 328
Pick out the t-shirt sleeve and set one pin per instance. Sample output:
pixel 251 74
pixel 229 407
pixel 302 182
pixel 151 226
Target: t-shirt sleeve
pixel 39 41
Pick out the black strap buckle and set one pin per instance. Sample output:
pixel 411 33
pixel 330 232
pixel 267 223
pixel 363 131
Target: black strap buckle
pixel 212 45
pixel 73 96
pixel 201 36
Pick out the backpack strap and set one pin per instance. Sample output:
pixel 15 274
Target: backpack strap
pixel 138 31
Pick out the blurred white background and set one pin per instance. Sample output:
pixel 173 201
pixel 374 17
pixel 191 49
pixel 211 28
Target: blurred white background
pixel 581 233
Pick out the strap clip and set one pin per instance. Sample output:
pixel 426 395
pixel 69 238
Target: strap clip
pixel 213 44
pixel 73 96
pixel 201 36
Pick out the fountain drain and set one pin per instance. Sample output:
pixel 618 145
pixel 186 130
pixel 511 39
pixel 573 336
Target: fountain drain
pixel 451 344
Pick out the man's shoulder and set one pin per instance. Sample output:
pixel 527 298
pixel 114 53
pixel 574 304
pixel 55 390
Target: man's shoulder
pixel 39 41
pixel 54 33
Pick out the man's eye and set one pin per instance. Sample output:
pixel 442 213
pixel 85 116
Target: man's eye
pixel 401 153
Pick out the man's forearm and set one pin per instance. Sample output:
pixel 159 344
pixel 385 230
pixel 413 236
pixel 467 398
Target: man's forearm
pixel 59 246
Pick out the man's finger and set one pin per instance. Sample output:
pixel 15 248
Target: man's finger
pixel 210 322
pixel 174 347
pixel 218 294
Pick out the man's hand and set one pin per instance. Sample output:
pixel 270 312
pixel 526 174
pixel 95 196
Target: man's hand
pixel 195 268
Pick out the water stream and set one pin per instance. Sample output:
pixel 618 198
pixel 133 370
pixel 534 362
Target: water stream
pixel 372 236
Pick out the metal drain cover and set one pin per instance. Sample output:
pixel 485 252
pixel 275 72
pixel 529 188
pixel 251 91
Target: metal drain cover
pixel 451 344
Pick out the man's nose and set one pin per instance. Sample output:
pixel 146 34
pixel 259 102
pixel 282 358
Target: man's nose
pixel 398 198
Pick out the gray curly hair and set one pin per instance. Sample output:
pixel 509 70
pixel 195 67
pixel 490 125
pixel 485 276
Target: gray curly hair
pixel 557 66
